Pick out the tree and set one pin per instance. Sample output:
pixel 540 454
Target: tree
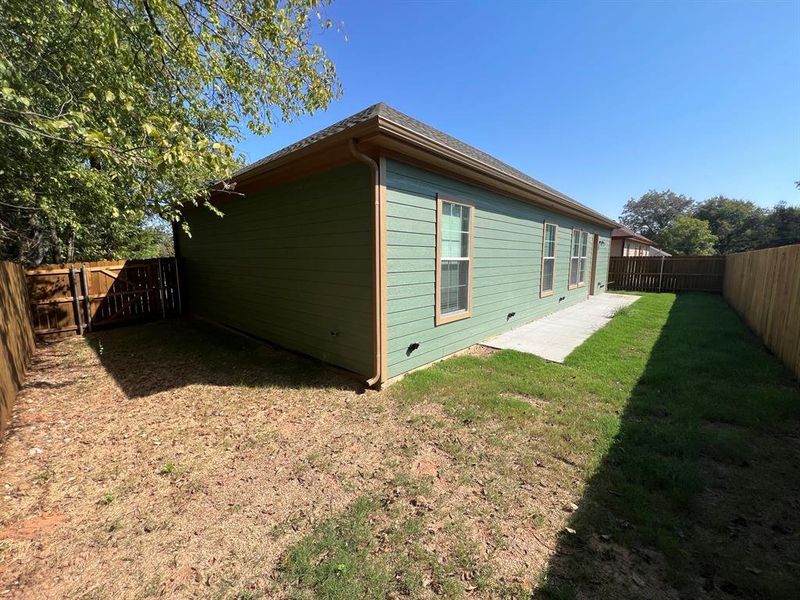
pixel 737 224
pixel 782 225
pixel 654 211
pixel 688 236
pixel 113 111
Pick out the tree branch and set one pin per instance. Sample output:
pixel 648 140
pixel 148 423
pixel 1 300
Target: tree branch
pixel 56 138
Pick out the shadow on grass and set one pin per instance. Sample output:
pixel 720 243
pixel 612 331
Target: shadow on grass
pixel 155 357
pixel 699 494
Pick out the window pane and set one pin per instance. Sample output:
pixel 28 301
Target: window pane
pixel 465 218
pixel 550 241
pixel 455 241
pixel 451 248
pixel 583 270
pixel 576 243
pixel 463 289
pixel 448 280
pixel 573 271
pixel 547 275
pixel 454 290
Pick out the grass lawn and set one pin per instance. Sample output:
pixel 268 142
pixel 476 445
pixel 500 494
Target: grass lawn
pixel 662 460
pixel 684 434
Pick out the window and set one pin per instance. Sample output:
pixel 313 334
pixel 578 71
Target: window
pixel 548 259
pixel 584 246
pixel 454 223
pixel 577 261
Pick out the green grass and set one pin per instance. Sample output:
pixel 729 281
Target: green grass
pixel 337 560
pixel 373 550
pixel 679 424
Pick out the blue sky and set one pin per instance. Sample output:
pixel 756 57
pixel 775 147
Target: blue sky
pixel 601 100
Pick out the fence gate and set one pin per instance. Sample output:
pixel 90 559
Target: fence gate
pixel 77 297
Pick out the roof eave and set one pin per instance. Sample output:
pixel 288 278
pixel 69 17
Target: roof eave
pixel 342 137
pixel 409 136
pixel 372 130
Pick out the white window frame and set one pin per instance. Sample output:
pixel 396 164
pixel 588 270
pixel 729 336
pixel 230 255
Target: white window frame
pixel 442 318
pixel 543 293
pixel 584 258
pixel 577 262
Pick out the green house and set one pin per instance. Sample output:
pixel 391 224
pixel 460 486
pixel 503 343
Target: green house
pixel 381 244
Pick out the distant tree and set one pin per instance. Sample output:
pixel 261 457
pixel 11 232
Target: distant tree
pixel 154 239
pixel 782 225
pixel 654 211
pixel 737 224
pixel 687 236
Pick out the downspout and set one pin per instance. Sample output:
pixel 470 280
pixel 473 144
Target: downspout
pixel 376 261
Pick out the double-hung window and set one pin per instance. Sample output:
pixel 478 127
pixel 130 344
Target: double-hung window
pixel 548 259
pixel 454 226
pixel 584 246
pixel 577 260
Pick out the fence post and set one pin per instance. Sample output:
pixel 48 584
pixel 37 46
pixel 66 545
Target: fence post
pixel 75 299
pixel 161 290
pixel 178 286
pixel 86 297
pixel 661 273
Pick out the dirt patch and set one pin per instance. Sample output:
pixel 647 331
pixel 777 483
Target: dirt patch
pixel 426 468
pixel 32 528
pixel 532 400
pixel 480 351
pixel 175 463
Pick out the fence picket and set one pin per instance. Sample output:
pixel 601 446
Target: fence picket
pixel 763 286
pixel 668 274
pixel 107 293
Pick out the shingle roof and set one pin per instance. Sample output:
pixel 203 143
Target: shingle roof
pixel 386 113
pixel 359 117
pixel 621 232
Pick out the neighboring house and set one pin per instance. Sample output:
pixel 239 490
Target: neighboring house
pixel 625 242
pixel 381 244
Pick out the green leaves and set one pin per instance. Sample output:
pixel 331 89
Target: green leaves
pixel 136 104
pixel 688 236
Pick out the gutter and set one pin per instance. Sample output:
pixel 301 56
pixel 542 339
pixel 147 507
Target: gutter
pixel 377 260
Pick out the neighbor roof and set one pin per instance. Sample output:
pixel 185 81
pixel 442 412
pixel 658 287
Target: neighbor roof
pixel 383 115
pixel 624 232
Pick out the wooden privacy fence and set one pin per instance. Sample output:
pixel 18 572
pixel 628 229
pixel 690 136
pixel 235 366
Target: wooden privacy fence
pixel 16 336
pixel 77 297
pixel 666 273
pixel 763 286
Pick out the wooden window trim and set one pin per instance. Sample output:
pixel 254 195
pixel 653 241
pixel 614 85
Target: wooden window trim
pixel 542 292
pixel 441 319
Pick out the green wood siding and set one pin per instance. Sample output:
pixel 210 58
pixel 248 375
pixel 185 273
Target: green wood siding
pixel 292 265
pixel 506 270
pixel 603 256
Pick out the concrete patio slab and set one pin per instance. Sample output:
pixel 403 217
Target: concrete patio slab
pixel 555 336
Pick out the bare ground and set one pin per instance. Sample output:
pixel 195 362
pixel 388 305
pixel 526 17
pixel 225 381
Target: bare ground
pixel 132 470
